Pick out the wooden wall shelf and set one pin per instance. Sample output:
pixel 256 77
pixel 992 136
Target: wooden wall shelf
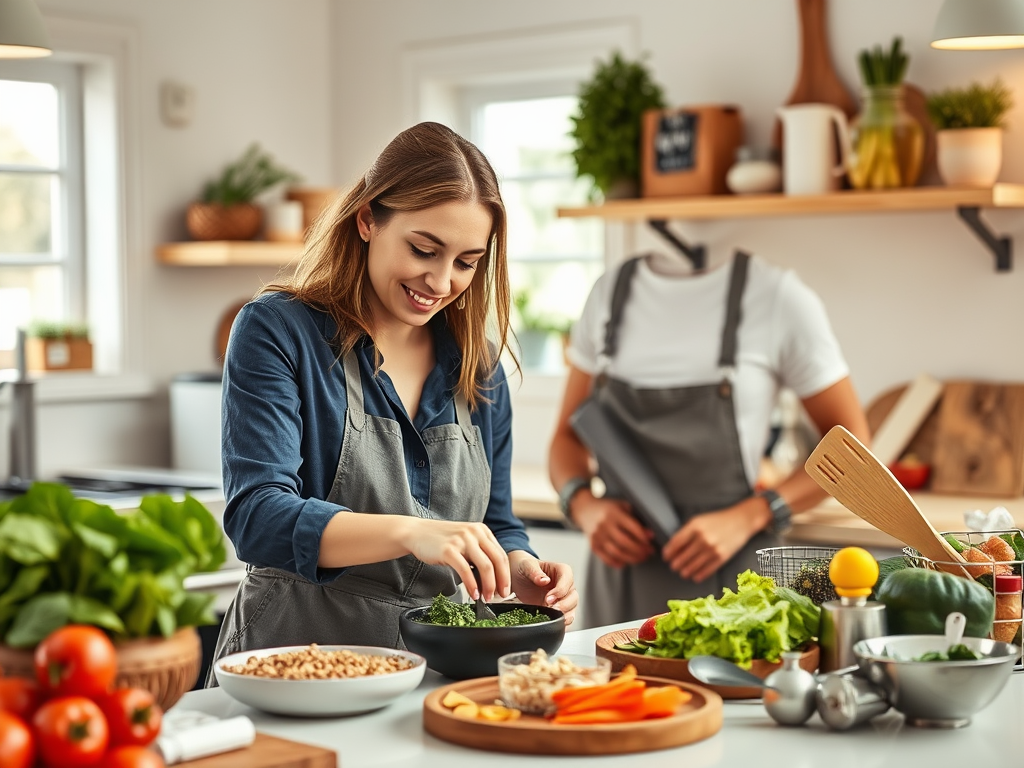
pixel 228 253
pixel 968 203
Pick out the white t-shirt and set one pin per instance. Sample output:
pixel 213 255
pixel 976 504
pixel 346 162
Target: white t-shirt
pixel 671 336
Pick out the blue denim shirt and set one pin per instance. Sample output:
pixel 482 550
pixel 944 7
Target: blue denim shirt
pixel 283 421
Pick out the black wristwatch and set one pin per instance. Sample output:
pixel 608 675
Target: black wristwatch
pixel 570 489
pixel 782 515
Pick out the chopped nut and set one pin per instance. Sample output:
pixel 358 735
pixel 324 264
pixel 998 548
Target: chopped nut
pixel 315 664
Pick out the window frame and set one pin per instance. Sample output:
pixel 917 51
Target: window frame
pixel 68 225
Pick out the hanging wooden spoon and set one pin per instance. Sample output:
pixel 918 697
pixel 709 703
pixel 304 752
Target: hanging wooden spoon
pixel 849 472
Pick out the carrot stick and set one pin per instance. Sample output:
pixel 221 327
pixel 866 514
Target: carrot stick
pixel 565 696
pixel 595 716
pixel 663 701
pixel 623 696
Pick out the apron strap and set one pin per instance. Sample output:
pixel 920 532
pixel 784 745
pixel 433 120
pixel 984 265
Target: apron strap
pixel 620 294
pixel 354 389
pixel 462 416
pixel 737 282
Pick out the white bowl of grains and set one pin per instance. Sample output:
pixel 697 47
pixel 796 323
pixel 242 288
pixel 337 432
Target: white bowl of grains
pixel 319 681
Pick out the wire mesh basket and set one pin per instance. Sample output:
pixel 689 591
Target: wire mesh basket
pixel 802 569
pixel 986 559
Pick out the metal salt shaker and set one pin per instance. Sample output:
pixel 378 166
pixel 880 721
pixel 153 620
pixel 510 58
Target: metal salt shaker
pixel 789 695
pixel 844 701
pixel 852 617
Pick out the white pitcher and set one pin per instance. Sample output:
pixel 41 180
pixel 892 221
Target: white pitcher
pixel 808 149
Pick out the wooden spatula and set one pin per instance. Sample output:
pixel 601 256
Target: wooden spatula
pixel 849 472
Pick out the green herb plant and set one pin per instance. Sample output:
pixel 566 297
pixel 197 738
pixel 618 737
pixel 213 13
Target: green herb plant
pixel 447 613
pixel 607 126
pixel 55 329
pixel 67 560
pixel 534 319
pixel 241 181
pixel 974 106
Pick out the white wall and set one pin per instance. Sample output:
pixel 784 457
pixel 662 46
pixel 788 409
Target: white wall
pixel 319 84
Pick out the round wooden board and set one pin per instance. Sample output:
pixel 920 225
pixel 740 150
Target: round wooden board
pixel 698 719
pixel 678 669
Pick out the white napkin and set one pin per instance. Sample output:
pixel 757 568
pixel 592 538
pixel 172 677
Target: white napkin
pixel 187 735
pixel 998 519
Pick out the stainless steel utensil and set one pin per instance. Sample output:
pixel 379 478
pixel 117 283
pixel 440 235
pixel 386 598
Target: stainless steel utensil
pixel 846 700
pixel 717 671
pixel 483 611
pixel 848 471
pixel 789 692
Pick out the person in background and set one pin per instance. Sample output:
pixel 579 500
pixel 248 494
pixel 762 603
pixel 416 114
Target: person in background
pixel 366 416
pixel 690 364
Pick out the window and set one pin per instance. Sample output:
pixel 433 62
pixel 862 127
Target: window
pixel 41 270
pixel 553 262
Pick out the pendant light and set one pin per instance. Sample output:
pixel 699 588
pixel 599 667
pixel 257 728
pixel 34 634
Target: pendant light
pixel 22 32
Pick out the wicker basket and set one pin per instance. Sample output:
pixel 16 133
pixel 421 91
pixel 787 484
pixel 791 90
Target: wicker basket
pixel 212 221
pixel 167 668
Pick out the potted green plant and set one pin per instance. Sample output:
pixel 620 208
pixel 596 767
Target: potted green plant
pixel 536 328
pixel 67 560
pixel 57 346
pixel 970 122
pixel 607 128
pixel 225 210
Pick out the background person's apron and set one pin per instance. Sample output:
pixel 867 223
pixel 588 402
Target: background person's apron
pixel 689 436
pixel 361 607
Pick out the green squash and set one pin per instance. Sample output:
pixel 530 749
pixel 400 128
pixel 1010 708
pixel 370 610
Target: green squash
pixel 917 601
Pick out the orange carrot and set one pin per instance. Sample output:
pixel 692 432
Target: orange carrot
pixel 566 696
pixel 630 694
pixel 594 716
pixel 663 701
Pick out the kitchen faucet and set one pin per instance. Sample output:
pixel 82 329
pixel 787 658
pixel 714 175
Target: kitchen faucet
pixel 22 422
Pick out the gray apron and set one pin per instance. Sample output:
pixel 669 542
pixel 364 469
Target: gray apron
pixel 689 435
pixel 361 607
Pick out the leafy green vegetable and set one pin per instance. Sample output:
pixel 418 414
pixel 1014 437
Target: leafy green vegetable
pixel 1016 541
pixel 758 621
pixel 958 652
pixel 881 67
pixel 69 560
pixel 955 543
pixel 448 613
pixel 917 601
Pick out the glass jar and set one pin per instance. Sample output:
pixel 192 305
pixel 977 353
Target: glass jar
pixel 887 141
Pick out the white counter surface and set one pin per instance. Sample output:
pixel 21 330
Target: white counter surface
pixel 394 736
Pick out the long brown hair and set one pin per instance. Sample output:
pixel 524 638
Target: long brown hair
pixel 425 165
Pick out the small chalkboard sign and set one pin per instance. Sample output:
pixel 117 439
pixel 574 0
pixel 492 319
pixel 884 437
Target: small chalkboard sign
pixel 675 142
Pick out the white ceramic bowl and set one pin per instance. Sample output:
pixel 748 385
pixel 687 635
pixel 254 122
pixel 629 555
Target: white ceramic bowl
pixel 319 698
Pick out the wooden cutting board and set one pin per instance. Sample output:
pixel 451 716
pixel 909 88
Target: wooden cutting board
pixel 678 669
pixel 979 442
pixel 270 752
pixel 817 81
pixel 918 435
pixel 695 720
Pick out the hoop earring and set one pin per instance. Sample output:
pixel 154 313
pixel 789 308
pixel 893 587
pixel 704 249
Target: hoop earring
pixel 461 302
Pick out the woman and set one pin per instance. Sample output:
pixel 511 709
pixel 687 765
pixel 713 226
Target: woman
pixel 690 366
pixel 366 418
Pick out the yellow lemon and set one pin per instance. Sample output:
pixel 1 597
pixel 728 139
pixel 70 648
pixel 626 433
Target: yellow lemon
pixel 854 571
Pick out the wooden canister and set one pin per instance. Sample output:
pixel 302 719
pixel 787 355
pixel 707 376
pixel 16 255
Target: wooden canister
pixel 689 150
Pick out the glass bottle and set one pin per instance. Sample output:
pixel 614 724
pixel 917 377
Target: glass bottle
pixel 887 141
pixel 1008 607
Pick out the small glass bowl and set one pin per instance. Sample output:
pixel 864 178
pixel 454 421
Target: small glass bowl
pixel 526 680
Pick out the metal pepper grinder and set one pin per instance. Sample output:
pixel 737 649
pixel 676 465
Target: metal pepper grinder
pixel 852 617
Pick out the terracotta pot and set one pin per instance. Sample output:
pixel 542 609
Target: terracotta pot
pixel 167 668
pixel 213 221
pixel 970 157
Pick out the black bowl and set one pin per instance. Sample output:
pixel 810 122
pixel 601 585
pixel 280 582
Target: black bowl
pixel 464 652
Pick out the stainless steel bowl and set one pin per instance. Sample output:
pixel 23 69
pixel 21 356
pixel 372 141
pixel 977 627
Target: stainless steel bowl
pixel 938 694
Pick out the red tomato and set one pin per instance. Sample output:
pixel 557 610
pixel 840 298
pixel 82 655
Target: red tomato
pixel 133 716
pixel 132 756
pixel 647 631
pixel 17 747
pixel 19 696
pixel 71 732
pixel 76 660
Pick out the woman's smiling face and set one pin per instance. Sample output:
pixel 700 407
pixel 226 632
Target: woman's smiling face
pixel 421 261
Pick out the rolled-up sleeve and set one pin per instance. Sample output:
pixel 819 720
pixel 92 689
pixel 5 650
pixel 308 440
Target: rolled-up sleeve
pixel 266 517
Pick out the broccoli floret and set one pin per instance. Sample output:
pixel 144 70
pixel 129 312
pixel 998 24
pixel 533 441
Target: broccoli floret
pixel 449 614
pixel 812 581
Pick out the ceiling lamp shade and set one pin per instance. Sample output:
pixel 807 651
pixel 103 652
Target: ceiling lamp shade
pixel 22 32
pixel 979 25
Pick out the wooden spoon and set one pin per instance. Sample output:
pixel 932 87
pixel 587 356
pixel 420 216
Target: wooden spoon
pixel 849 472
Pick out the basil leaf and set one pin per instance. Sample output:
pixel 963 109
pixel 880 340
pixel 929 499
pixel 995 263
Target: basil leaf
pixel 25 584
pixel 28 539
pixel 39 617
pixel 196 610
pixel 85 610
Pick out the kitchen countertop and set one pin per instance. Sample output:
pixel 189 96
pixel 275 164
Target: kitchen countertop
pixel 394 736
pixel 829 523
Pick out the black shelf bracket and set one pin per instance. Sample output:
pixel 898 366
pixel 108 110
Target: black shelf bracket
pixel 697 254
pixel 1001 247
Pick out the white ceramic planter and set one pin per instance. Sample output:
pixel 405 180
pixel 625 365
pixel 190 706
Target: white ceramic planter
pixel 970 157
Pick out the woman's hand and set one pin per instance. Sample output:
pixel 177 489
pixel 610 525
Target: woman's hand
pixel 615 535
pixel 539 582
pixel 459 545
pixel 706 542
